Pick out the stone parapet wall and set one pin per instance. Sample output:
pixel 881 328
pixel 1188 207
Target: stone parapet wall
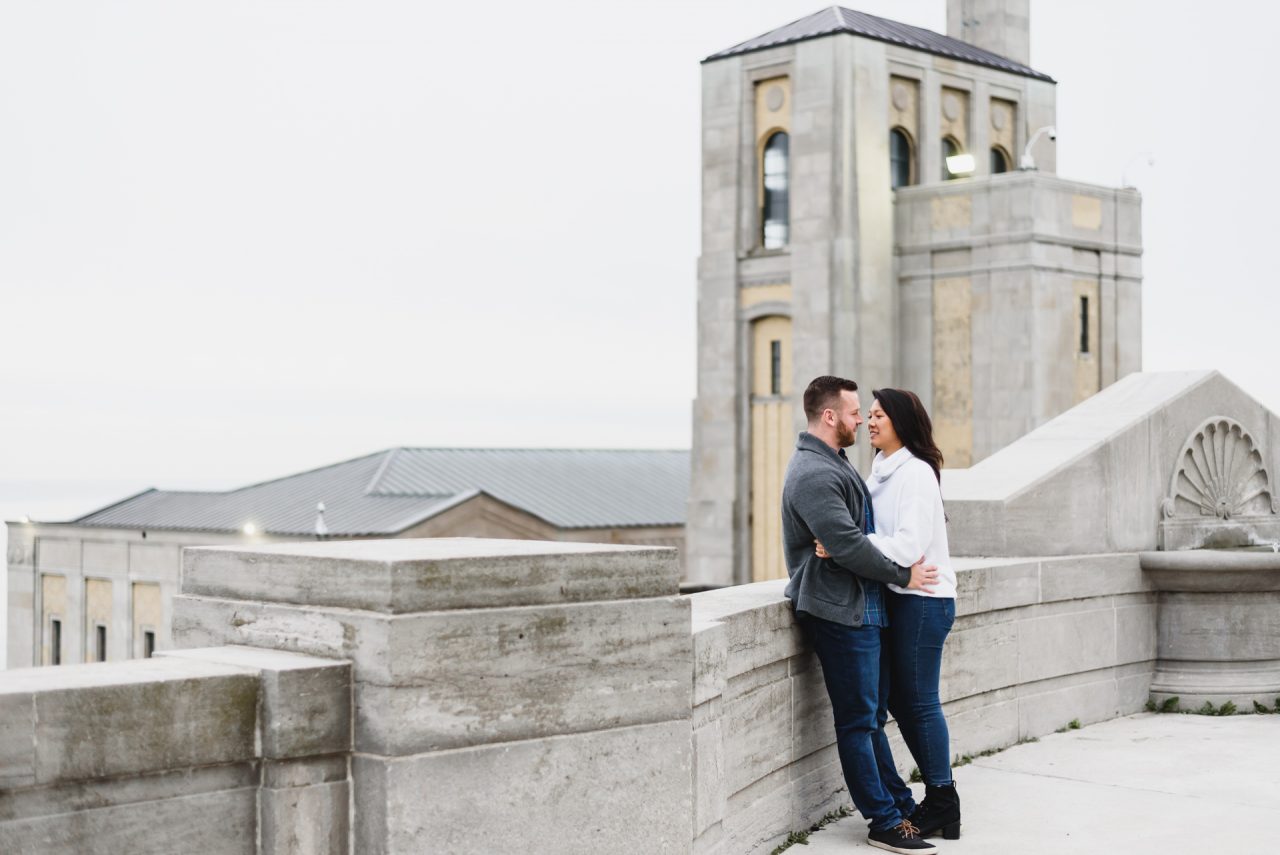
pixel 231 750
pixel 510 696
pixel 1037 643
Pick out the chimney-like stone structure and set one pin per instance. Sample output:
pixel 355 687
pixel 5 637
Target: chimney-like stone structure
pixel 509 696
pixel 1000 26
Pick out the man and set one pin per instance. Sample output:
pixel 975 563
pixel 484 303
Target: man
pixel 839 604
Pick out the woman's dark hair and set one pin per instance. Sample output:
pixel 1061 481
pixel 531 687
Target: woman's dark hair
pixel 911 424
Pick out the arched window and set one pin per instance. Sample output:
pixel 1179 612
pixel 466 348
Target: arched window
pixel 950 148
pixel 999 160
pixel 775 214
pixel 900 151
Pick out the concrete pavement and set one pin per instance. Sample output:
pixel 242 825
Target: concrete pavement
pixel 1146 783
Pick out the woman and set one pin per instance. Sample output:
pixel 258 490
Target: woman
pixel 906 496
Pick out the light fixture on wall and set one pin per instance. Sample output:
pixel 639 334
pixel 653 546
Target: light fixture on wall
pixel 249 529
pixel 1029 162
pixel 960 164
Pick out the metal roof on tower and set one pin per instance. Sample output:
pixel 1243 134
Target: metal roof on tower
pixel 393 490
pixel 837 19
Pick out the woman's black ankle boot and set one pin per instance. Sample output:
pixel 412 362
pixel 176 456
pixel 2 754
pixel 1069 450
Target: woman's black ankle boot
pixel 939 812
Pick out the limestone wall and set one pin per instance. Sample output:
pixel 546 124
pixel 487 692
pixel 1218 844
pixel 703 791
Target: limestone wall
pixel 1037 643
pixel 233 751
pixel 513 696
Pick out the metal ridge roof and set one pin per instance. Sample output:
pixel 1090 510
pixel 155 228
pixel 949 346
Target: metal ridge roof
pixel 837 19
pixel 390 491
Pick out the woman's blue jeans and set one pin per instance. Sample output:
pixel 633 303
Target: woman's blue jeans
pixel 918 627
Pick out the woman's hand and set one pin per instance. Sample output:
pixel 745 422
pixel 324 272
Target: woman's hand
pixel 820 550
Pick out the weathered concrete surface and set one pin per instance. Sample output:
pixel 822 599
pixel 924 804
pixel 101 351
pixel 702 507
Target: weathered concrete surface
pixel 306 701
pixel 620 790
pixel 1095 479
pixel 1146 783
pixel 87 721
pixel 404 576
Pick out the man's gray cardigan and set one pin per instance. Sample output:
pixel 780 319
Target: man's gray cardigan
pixel 822 499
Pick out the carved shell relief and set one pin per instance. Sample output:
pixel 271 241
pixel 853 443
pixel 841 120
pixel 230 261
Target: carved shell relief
pixel 1219 473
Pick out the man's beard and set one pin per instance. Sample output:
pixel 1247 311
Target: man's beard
pixel 845 437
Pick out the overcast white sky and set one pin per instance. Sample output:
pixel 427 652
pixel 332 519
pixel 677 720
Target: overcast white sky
pixel 246 237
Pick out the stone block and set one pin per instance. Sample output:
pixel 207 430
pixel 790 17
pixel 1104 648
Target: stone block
pixel 400 576
pixel 1048 706
pixel 1222 627
pixel 17 739
pixel 327 633
pixel 1135 633
pixel 218 823
pixel 306 701
pixel 757 822
pixel 466 678
pixel 121 718
pixel 760 733
pixel 307 820
pixel 1056 644
pixel 983 723
pixel 1080 577
pixel 64 799
pixel 978 659
pixel 561 794
pixel 813 727
pixel 989 584
pixel 710 660
pixel 759 622
pixel 708 777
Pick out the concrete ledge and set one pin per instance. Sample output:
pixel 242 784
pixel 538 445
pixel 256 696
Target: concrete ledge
pixel 306 701
pixel 105 720
pixel 431 574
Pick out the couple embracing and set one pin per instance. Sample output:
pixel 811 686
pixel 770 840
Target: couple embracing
pixel 874 592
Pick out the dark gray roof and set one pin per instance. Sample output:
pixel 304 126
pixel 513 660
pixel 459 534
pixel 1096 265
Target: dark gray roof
pixel 390 491
pixel 836 19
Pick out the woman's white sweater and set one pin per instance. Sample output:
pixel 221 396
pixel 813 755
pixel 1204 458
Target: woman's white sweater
pixel 909 518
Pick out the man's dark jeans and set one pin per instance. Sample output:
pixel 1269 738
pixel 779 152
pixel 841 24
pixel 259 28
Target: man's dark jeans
pixel 918 627
pixel 855 668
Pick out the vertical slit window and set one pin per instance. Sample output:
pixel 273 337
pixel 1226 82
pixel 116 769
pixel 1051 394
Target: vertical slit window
pixel 100 639
pixel 148 644
pixel 55 641
pixel 776 213
pixel 999 160
pixel 899 158
pixel 775 367
pixel 1084 324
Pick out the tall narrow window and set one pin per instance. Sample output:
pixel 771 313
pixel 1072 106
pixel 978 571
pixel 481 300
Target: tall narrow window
pixel 1084 324
pixel 950 148
pixel 999 160
pixel 148 644
pixel 775 367
pixel 776 214
pixel 55 641
pixel 899 158
pixel 100 648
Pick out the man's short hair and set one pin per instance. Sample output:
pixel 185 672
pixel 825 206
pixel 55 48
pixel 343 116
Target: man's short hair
pixel 823 393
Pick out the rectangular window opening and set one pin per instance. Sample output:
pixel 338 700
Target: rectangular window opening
pixel 1084 324
pixel 775 367
pixel 100 643
pixel 148 644
pixel 55 641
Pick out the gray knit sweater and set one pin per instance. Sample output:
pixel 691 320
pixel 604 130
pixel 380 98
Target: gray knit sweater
pixel 822 499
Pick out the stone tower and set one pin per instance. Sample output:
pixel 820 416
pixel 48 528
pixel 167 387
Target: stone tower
pixel 861 217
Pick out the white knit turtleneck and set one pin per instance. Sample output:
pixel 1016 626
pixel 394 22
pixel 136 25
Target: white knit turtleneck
pixel 909 518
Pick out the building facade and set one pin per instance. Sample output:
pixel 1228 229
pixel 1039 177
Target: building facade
pixel 862 216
